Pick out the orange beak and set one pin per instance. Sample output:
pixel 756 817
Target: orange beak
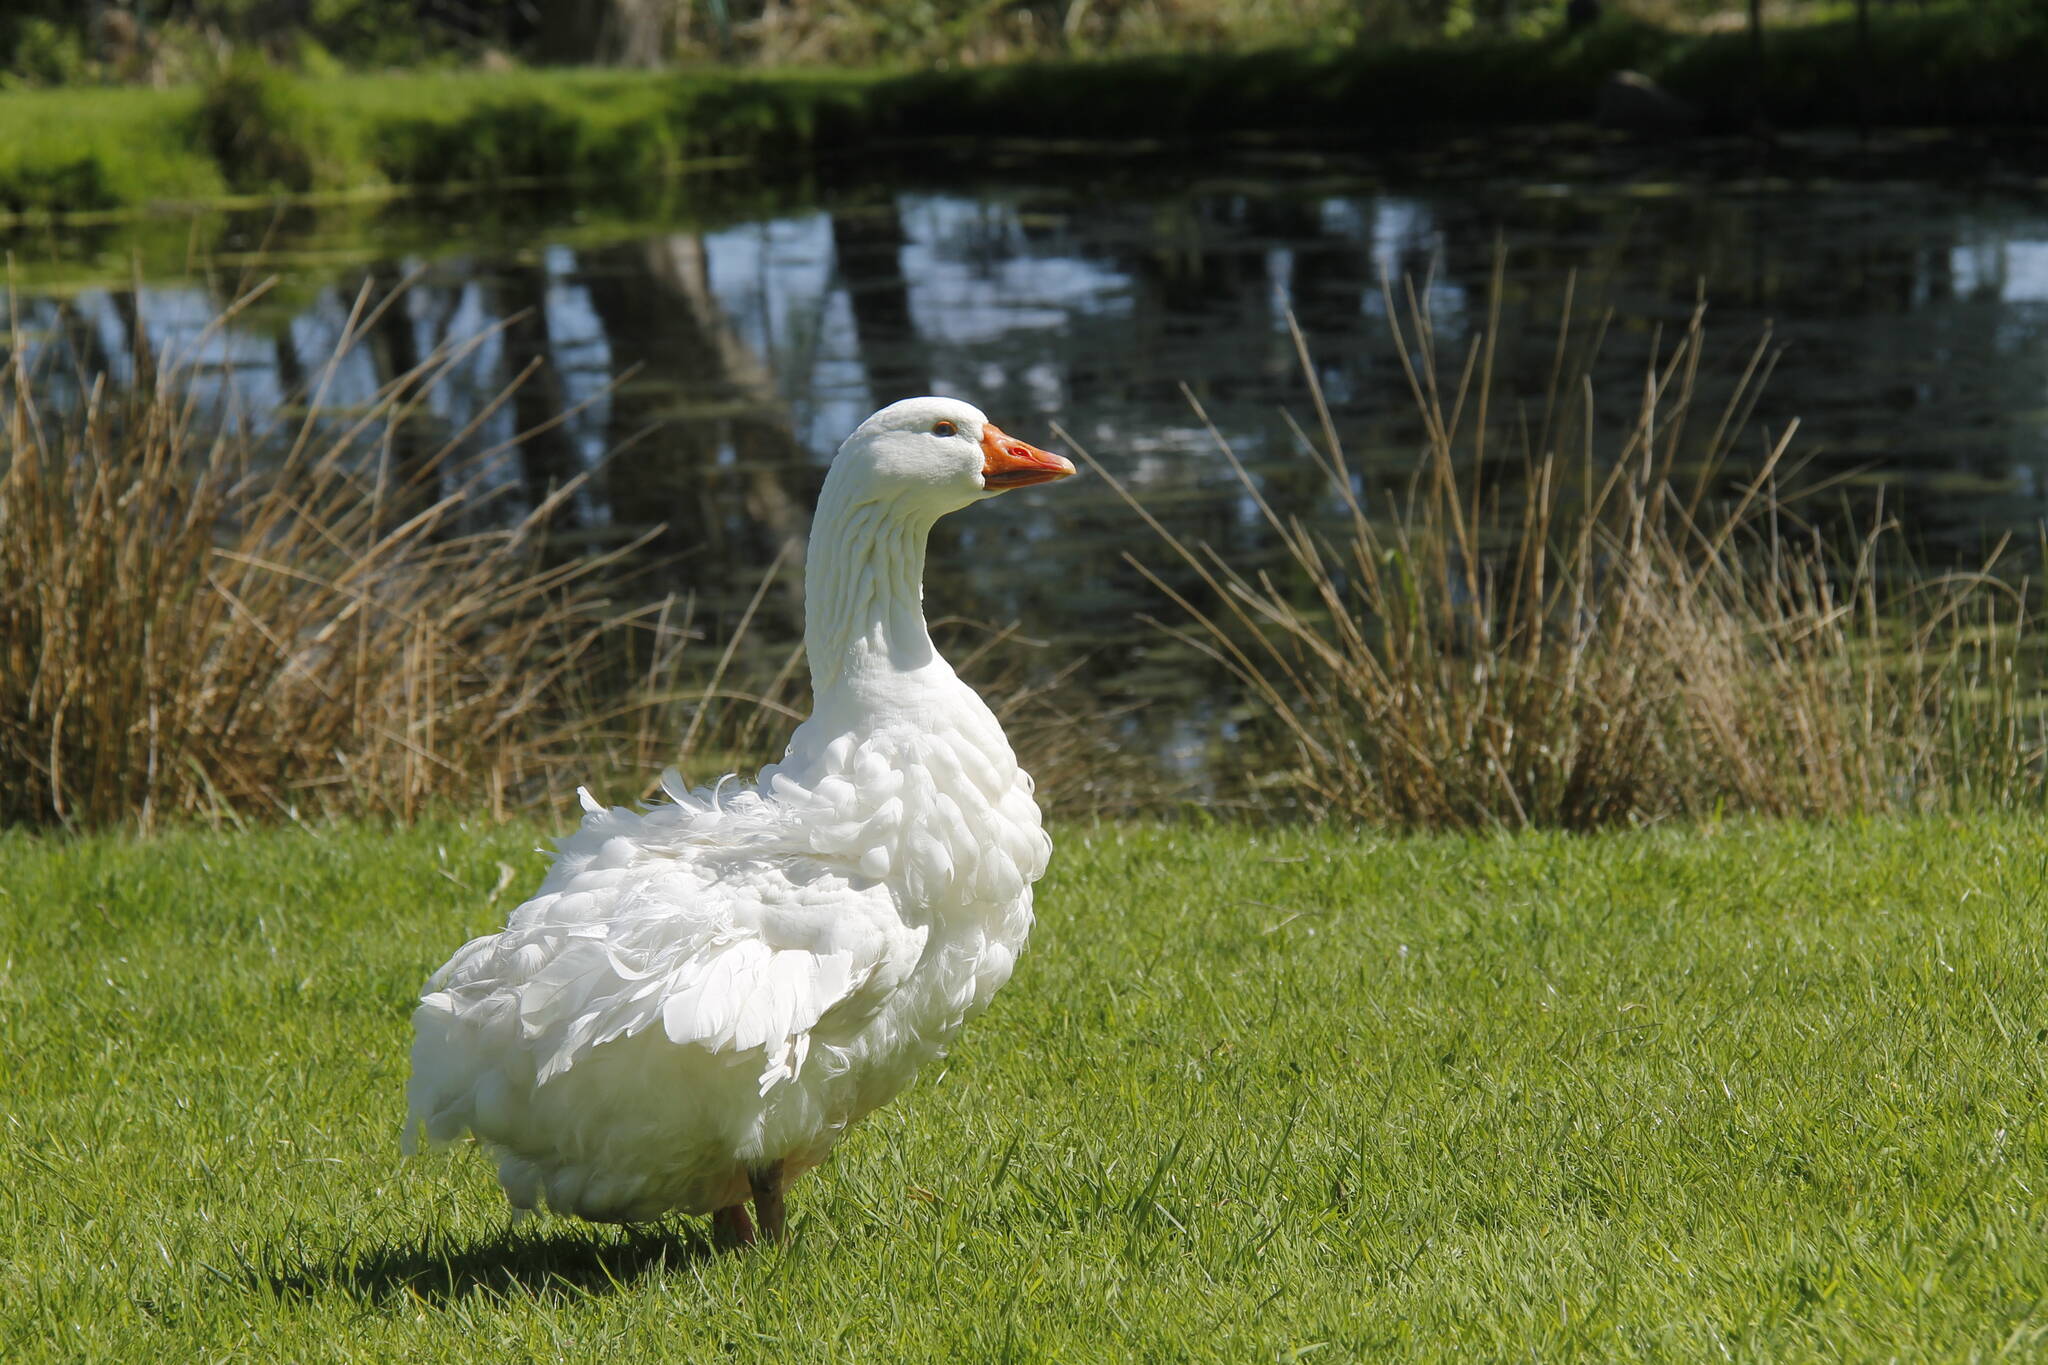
pixel 1007 462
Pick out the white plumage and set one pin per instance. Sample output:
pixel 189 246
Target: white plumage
pixel 702 996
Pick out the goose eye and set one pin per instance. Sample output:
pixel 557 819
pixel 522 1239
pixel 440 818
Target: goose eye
pixel 944 429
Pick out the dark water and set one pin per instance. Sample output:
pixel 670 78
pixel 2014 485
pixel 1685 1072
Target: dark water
pixel 730 350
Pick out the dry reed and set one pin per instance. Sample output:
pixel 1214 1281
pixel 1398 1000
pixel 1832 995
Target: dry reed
pixel 1615 645
pixel 201 621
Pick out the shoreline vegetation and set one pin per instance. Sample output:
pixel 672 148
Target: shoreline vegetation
pixel 318 627
pixel 257 131
pixel 1650 631
pixel 228 623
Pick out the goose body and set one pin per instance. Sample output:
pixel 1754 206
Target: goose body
pixel 704 995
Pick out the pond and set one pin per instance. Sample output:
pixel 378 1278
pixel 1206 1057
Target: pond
pixel 723 343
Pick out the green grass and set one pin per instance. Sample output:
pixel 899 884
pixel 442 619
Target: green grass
pixel 93 150
pixel 1769 1092
pixel 257 131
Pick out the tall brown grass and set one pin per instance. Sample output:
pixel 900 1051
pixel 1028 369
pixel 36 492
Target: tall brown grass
pixel 201 621
pixel 198 620
pixel 1641 633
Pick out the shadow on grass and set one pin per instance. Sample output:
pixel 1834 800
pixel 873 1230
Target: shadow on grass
pixel 573 1260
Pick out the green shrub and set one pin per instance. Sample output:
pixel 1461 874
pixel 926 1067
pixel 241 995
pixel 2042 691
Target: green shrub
pixel 760 117
pixel 509 139
pixel 46 53
pixel 45 181
pixel 269 133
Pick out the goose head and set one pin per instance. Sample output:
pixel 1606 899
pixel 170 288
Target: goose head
pixel 901 470
pixel 937 455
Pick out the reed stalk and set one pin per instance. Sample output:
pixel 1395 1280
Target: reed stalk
pixel 201 620
pixel 1620 643
pixel 335 617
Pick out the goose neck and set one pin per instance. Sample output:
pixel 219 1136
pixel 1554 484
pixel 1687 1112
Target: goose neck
pixel 864 626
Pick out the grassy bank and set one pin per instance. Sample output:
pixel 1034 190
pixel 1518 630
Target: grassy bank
pixel 253 130
pixel 1768 1091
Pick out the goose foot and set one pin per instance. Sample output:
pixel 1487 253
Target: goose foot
pixel 731 1229
pixel 767 1183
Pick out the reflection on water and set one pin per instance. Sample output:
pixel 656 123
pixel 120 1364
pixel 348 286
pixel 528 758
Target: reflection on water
pixel 725 363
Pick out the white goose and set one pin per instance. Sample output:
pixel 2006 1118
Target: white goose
pixel 703 996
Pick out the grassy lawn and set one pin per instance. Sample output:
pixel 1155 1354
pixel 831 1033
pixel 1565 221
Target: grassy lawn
pixel 1768 1092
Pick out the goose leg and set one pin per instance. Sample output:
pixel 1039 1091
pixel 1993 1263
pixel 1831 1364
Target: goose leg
pixel 731 1228
pixel 767 1183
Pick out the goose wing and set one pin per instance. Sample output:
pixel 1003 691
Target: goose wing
pixel 729 955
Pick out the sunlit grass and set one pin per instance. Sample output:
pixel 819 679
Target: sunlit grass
pixel 1761 1091
pixel 97 149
